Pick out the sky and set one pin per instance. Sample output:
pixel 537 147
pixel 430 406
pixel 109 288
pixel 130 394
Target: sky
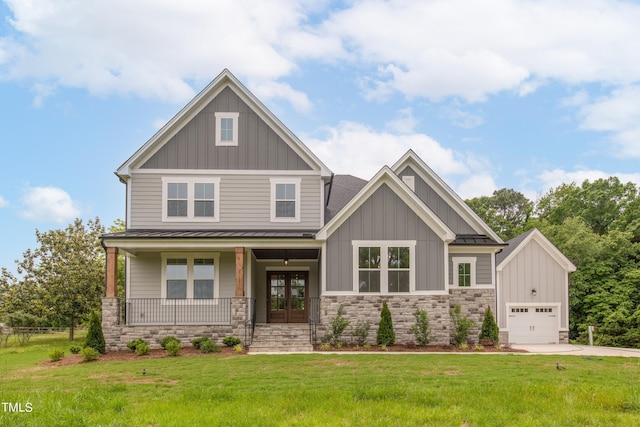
pixel 493 94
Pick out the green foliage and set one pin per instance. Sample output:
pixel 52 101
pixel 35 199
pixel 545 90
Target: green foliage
pixel 95 337
pixel 361 332
pixel 166 340
pixel 142 349
pixel 133 344
pixel 490 330
pixel 506 211
pixel 75 349
pixel 22 324
pixel 208 346
pixel 462 326
pixel 173 348
pixel 239 348
pixel 421 329
pixel 338 325
pixel 231 341
pixel 56 354
pixel 89 353
pixel 385 335
pixel 196 342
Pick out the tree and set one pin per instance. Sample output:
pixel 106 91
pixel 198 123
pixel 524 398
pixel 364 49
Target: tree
pixel 489 330
pixel 119 226
pixel 506 211
pixel 68 270
pixel 385 335
pixel 95 337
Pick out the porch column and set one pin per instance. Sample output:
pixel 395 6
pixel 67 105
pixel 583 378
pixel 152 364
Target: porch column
pixel 239 272
pixel 112 272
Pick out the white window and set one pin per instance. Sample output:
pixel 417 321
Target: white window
pixel 227 129
pixel 384 267
pixel 190 276
pixel 464 271
pixel 190 199
pixel 285 200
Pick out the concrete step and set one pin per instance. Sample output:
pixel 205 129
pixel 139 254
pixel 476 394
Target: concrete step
pixel 281 337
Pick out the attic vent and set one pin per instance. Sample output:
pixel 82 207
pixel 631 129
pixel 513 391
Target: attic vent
pixel 410 180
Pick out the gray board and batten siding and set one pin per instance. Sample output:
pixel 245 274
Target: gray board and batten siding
pixel 259 146
pixel 245 203
pixel 484 274
pixel 385 216
pixel 439 206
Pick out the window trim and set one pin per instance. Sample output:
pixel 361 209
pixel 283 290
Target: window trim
pixel 226 115
pixel 191 181
pixel 282 180
pixel 190 257
pixel 384 246
pixel 456 261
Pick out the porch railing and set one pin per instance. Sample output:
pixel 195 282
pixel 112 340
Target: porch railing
pixel 188 311
pixel 314 318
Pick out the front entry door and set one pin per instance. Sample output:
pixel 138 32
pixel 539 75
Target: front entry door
pixel 287 296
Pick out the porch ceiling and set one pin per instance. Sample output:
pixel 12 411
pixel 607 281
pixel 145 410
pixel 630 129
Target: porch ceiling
pixel 286 253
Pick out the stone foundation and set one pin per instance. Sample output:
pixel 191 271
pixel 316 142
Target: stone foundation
pixel 473 302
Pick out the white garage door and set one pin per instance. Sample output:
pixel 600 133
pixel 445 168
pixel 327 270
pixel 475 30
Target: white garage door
pixel 533 325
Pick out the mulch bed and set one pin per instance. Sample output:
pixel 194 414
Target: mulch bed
pixel 401 348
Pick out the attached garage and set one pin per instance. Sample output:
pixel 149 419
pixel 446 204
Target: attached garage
pixel 532 291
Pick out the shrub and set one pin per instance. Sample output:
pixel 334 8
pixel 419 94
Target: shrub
pixel 166 340
pixel 239 348
pixel 135 343
pixel 95 337
pixel 75 349
pixel 56 354
pixel 89 353
pixel 385 335
pixel 461 326
pixel 208 346
pixel 142 349
pixel 361 332
pixel 231 341
pixel 490 330
pixel 338 325
pixel 421 329
pixel 173 347
pixel 196 342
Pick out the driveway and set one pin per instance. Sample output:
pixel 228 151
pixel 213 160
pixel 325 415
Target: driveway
pixel 577 350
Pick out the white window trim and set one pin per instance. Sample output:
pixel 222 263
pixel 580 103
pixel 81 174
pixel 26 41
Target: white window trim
pixel 189 256
pixel 274 182
pixel 191 181
pixel 464 260
pixel 410 181
pixel 384 265
pixel 226 115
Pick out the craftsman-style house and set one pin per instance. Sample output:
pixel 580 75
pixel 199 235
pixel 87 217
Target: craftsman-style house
pixel 234 227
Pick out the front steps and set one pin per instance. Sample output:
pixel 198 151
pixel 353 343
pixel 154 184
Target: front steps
pixel 281 338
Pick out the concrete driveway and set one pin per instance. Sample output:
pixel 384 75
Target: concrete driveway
pixel 577 350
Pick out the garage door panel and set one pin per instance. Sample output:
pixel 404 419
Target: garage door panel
pixel 533 325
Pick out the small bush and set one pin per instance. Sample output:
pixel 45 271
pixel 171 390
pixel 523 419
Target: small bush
pixel 462 325
pixel 385 336
pixel 75 349
pixel 56 354
pixel 196 342
pixel 208 346
pixel 338 325
pixel 166 340
pixel 239 348
pixel 490 331
pixel 231 341
pixel 95 337
pixel 173 347
pixel 142 349
pixel 89 353
pixel 134 344
pixel 421 329
pixel 361 332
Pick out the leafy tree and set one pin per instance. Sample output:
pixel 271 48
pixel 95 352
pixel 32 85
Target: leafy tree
pixel 95 337
pixel 506 211
pixel 385 334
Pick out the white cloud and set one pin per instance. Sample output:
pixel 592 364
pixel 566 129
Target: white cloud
pixel 461 117
pixel 404 122
pixel 550 179
pixel 3 202
pixel 48 204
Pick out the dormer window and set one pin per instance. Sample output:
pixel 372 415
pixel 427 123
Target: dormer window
pixel 227 129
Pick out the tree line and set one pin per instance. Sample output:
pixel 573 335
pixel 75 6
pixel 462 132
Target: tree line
pixel 597 226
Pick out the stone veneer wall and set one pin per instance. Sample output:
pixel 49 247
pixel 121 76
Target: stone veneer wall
pixel 563 337
pixel 368 308
pixel 118 335
pixel 473 302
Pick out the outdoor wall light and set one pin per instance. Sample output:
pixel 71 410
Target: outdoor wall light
pixel 534 292
pixel 286 258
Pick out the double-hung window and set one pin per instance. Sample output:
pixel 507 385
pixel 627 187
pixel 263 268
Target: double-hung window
pixel 285 199
pixel 384 267
pixel 191 276
pixel 190 199
pixel 464 271
pixel 227 129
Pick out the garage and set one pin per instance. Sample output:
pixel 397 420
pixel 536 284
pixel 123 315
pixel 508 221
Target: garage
pixel 533 324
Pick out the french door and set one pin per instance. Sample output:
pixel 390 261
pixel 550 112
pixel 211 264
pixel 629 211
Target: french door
pixel 287 296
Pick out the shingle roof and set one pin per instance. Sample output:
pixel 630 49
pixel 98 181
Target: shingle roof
pixel 343 189
pixel 511 246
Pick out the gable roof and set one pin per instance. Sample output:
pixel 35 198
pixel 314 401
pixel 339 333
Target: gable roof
pixel 516 244
pixel 198 103
pixel 343 189
pixel 443 190
pixel 386 176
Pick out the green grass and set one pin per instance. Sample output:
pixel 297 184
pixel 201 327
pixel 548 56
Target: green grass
pixel 320 389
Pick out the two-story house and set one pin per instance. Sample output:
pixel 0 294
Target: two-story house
pixel 232 222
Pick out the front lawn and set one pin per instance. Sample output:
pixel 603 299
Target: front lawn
pixel 319 389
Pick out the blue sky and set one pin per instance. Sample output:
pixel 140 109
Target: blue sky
pixel 517 94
